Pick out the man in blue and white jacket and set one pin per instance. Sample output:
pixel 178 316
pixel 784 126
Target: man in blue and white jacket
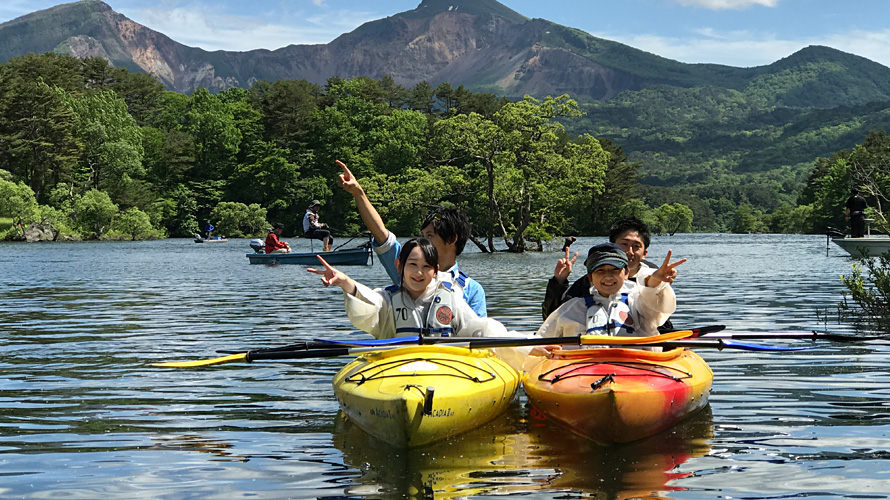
pixel 447 228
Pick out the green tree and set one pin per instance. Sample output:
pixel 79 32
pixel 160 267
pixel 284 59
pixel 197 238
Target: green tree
pixel 37 132
pixel 271 180
pixel 134 223
pixel 112 141
pixel 286 107
pixel 239 220
pixel 17 201
pixel 95 212
pixel 871 290
pixel 217 139
pixel 671 219
pixel 747 219
pixel 55 221
pixel 531 175
pixel 619 188
pixel 177 212
pixel 422 98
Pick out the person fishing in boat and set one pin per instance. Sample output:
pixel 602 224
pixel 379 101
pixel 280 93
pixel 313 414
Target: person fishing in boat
pixel 610 309
pixel 422 304
pixel 447 228
pixel 273 243
pixel 208 230
pixel 314 229
pixel 854 212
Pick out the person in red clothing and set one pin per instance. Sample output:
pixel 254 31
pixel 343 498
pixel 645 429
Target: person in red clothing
pixel 273 244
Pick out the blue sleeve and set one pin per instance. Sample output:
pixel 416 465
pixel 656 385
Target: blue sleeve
pixel 474 295
pixel 387 253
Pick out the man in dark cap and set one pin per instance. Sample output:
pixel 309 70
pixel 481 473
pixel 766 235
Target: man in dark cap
pixel 313 229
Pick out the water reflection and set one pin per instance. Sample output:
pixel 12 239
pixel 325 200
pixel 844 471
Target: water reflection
pixel 522 452
pixel 83 415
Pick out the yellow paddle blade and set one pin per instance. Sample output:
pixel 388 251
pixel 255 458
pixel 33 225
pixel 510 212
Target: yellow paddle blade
pixel 610 340
pixel 203 362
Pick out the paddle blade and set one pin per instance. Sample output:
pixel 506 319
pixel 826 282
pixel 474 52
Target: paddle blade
pixel 202 362
pixel 729 344
pixel 706 330
pixel 615 340
pixel 375 342
pixel 831 337
pixel 746 346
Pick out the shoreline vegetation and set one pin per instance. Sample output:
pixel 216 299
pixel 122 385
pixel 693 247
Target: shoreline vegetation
pixel 90 151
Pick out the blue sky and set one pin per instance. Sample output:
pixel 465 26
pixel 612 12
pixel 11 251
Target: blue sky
pixel 731 32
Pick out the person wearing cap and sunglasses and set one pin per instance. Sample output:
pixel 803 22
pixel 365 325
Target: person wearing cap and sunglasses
pixel 313 229
pixel 447 228
pixel 610 310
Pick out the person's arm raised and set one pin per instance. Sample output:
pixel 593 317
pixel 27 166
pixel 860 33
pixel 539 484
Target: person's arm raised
pixel 333 276
pixel 366 210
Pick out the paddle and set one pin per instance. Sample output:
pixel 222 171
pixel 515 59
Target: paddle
pixel 254 354
pixel 472 342
pixel 813 335
pixel 299 346
pixel 719 344
pixel 514 342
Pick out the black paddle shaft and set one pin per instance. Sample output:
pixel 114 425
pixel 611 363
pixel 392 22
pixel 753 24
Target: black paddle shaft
pixel 314 353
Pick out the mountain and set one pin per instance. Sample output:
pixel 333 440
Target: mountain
pixel 481 44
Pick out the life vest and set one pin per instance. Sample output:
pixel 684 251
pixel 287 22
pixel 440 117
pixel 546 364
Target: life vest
pixel 458 280
pixel 612 318
pixel 440 317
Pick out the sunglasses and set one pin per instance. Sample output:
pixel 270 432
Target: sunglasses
pixel 431 217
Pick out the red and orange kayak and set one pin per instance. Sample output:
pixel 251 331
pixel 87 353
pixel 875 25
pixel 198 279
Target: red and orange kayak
pixel 619 395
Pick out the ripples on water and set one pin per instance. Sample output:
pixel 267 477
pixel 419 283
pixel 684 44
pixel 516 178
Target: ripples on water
pixel 83 415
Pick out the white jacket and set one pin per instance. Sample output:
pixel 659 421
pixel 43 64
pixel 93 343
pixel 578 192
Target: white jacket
pixel 649 308
pixel 371 311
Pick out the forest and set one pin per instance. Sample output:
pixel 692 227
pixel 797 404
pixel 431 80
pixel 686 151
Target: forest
pixel 91 151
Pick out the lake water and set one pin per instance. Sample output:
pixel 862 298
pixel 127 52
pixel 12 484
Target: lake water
pixel 83 415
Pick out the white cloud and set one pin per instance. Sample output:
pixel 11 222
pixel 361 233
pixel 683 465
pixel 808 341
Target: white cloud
pixel 746 49
pixel 211 29
pixel 728 4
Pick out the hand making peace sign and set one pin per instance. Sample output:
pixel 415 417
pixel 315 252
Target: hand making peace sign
pixel 666 273
pixel 332 276
pixel 564 266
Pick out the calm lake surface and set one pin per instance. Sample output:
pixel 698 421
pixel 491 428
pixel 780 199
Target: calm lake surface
pixel 83 415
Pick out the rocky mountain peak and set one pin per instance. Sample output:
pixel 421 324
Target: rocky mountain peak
pixel 430 8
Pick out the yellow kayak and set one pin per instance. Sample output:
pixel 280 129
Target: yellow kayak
pixel 413 396
pixel 619 395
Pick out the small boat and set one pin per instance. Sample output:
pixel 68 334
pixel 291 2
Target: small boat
pixel 414 396
pixel 346 257
pixel 214 239
pixel 874 245
pixel 619 395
